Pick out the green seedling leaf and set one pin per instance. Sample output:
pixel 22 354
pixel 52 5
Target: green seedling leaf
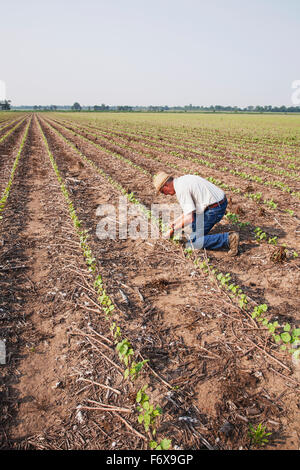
pixel 286 337
pixel 165 444
pixel 152 444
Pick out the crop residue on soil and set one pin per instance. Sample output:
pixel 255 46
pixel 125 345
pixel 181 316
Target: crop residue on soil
pixel 210 366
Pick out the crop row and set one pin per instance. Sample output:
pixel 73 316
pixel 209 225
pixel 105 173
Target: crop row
pixel 4 137
pixel 232 217
pixel 209 160
pixel 256 197
pixel 130 196
pixel 13 170
pixel 224 279
pixel 286 336
pixel 7 123
pixel 212 141
pixel 211 145
pixel 282 186
pixel 148 413
pixel 252 136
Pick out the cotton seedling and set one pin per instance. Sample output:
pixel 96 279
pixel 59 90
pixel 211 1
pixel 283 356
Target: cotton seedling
pixel 273 240
pixel 163 445
pixel 134 369
pixel 125 351
pixel 224 279
pixel 258 436
pixel 232 217
pixel 270 203
pixel 259 234
pixel 288 336
pixel 290 211
pixel 235 289
pixel 243 301
pixel 259 310
pixel 148 413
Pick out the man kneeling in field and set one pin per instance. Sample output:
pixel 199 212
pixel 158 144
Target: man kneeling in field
pixel 203 205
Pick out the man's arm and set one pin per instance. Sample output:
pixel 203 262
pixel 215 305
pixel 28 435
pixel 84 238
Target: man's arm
pixel 182 221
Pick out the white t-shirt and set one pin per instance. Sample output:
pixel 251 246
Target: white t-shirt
pixel 195 193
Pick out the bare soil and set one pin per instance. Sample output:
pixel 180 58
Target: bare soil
pixel 210 368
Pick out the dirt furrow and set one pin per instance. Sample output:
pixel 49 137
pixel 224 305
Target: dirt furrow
pixel 8 152
pixel 170 143
pixel 253 268
pixel 8 125
pixel 168 308
pixel 165 129
pixel 138 153
pixel 43 312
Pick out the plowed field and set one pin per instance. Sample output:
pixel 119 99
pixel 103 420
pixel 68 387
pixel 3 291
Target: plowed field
pixel 88 323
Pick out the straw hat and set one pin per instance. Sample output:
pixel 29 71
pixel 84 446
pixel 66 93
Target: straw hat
pixel 159 180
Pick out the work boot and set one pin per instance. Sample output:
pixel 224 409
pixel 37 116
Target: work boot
pixel 234 239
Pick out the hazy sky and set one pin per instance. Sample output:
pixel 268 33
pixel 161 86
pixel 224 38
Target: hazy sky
pixel 142 52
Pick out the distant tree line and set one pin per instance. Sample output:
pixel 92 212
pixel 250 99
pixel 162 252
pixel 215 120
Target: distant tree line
pixel 102 107
pixel 255 109
pixel 157 109
pixel 52 107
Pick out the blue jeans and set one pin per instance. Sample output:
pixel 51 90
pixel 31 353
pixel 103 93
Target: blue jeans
pixel 201 238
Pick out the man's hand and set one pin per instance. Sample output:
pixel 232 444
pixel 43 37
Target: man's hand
pixel 182 221
pixel 169 233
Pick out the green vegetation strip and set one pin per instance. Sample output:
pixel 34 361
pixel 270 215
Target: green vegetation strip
pixel 240 160
pixel 277 331
pixel 130 196
pixel 11 130
pixel 232 217
pixel 221 143
pixel 284 335
pixel 13 170
pixel 256 197
pixel 108 152
pixel 9 123
pixel 148 412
